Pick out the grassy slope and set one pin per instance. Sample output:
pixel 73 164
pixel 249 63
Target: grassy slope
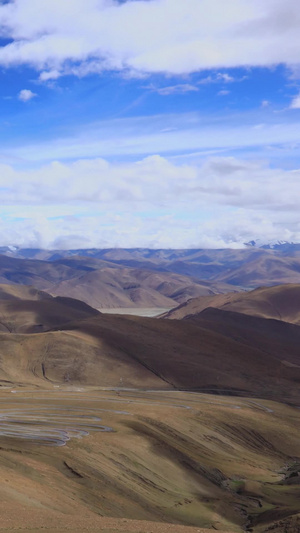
pixel 220 463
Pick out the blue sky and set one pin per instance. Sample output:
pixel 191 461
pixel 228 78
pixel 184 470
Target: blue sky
pixel 149 123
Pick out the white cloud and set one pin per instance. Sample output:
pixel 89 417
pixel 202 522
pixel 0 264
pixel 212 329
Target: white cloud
pixel 223 93
pixel 226 78
pixel 295 102
pixel 220 77
pixel 171 36
pixel 265 103
pixel 175 89
pixel 222 202
pixel 25 95
pixel 50 75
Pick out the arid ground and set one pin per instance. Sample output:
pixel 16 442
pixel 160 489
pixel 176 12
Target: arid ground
pixel 150 425
pixel 84 459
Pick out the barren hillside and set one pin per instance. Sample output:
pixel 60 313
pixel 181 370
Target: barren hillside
pixel 281 302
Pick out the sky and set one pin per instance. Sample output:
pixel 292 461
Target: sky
pixel 149 123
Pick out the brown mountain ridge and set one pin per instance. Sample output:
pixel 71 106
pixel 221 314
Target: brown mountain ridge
pixel 105 285
pixel 28 310
pixel 281 302
pixel 59 340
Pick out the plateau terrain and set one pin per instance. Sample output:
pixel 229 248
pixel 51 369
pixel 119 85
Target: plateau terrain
pixel 183 423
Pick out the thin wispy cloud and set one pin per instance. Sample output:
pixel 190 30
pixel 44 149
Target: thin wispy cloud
pixel 175 89
pixel 219 77
pixel 166 134
pixel 265 103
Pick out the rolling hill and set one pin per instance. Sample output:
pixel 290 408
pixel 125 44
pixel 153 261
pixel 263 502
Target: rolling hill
pixel 264 270
pixel 105 285
pixel 58 340
pixel 226 458
pixel 281 302
pixel 27 310
pixel 129 287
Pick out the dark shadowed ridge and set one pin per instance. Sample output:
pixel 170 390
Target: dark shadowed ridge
pixel 215 351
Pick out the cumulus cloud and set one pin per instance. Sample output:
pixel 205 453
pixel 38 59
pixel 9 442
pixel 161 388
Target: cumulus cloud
pixel 171 36
pixel 153 182
pixel 25 95
pixel 222 202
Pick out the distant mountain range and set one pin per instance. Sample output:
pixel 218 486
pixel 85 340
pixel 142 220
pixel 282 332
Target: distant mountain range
pixel 147 253
pixel 283 246
pixel 104 284
pixel 145 278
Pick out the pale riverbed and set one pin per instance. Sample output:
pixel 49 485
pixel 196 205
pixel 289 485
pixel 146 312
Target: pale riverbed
pixel 143 311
